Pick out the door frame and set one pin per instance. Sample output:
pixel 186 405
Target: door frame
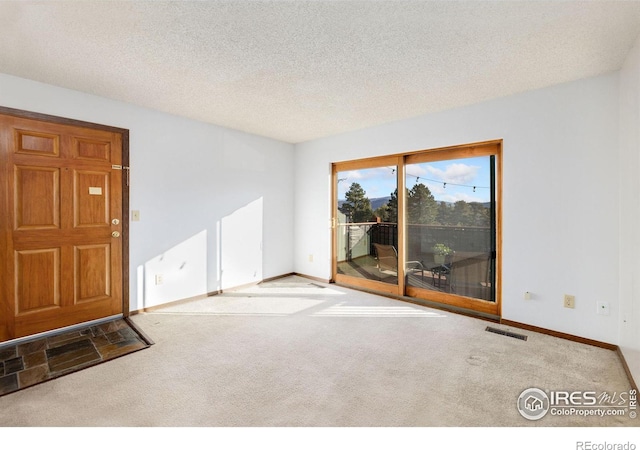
pixel 124 133
pixel 368 163
pixel 416 295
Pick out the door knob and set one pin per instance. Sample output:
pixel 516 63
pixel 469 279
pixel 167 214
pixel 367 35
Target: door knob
pixel 115 221
pixel 115 234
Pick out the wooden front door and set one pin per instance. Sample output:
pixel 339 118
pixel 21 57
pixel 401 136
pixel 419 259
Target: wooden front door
pixel 60 225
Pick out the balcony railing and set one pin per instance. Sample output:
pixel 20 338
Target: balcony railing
pixel 468 271
pixel 357 239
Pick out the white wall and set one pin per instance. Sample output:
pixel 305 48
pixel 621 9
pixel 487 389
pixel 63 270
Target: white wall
pixel 202 192
pixel 630 211
pixel 560 200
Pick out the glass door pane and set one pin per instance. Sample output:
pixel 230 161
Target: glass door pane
pixel 366 236
pixel 450 231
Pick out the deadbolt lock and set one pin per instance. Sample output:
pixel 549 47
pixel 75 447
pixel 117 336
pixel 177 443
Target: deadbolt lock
pixel 115 221
pixel 115 234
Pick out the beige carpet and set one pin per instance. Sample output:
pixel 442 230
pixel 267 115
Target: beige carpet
pixel 297 353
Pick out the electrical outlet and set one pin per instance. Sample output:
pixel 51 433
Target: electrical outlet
pixel 311 258
pixel 569 301
pixel 603 308
pixel 159 279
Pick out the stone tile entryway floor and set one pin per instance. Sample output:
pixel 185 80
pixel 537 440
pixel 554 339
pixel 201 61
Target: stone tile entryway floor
pixel 32 362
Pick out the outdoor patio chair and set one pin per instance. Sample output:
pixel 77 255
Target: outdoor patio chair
pixel 387 256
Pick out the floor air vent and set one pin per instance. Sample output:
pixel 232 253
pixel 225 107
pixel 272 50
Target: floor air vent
pixel 522 337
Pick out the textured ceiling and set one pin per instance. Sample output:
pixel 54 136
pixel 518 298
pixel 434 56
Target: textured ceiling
pixel 300 70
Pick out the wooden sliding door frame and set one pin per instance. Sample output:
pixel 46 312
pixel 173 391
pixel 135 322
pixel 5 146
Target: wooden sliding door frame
pixel 368 163
pixel 486 148
pixel 491 148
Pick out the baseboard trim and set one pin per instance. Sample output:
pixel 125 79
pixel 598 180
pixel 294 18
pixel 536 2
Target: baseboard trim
pixel 248 285
pixel 579 339
pixel 285 275
pixel 209 294
pixel 319 280
pixel 559 334
pixel 164 305
pixel 626 368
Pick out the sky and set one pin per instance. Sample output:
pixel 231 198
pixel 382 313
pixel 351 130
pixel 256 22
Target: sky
pixel 448 181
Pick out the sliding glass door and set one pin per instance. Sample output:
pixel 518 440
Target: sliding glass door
pixel 443 224
pixel 366 224
pixel 451 227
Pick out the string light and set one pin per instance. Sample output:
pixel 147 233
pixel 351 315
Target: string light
pixel 444 183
